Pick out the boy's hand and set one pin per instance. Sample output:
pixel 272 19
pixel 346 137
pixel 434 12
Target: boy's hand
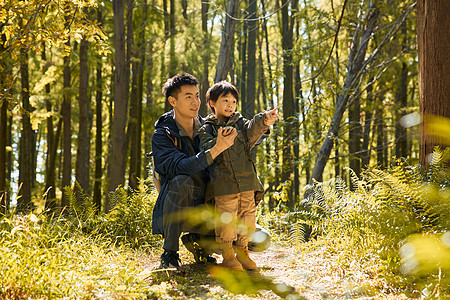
pixel 271 117
pixel 227 130
pixel 225 139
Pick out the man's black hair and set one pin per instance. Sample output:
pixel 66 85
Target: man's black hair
pixel 172 86
pixel 218 89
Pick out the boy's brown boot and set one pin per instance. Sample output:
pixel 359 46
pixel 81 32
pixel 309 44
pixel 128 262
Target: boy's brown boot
pixel 229 259
pixel 244 258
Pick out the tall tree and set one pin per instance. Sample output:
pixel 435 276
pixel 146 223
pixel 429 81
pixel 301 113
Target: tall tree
pixel 288 94
pixel 433 40
pixel 248 109
pixel 26 140
pixel 3 127
pixel 354 66
pixel 401 98
pixel 368 116
pixel 67 114
pixel 98 128
pixel 205 74
pixel 135 118
pixel 118 146
pixel 242 48
pixel 83 150
pixel 172 56
pixel 223 61
pixel 52 142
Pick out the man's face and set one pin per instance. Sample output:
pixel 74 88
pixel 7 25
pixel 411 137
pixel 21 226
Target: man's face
pixel 187 102
pixel 224 107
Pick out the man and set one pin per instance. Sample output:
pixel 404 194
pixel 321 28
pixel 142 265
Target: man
pixel 180 163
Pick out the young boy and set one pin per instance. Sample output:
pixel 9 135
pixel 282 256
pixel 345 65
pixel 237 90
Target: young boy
pixel 180 163
pixel 234 186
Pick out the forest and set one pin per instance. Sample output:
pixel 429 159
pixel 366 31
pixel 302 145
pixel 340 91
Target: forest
pixel 357 168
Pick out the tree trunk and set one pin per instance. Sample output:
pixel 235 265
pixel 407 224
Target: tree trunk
pixel 223 61
pixel 26 141
pixel 3 131
pixel 136 106
pixel 50 178
pixel 379 129
pixel 355 63
pixel 433 40
pixel 51 203
pixel 368 116
pixel 355 134
pixel 288 96
pixel 243 58
pixel 149 99
pixel 66 113
pixel 205 74
pixel 97 196
pixel 401 138
pixel 118 145
pixel 167 105
pixel 248 109
pixel 172 57
pixel 3 141
pixel 83 151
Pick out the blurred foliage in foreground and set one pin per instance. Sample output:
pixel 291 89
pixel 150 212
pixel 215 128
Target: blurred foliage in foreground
pixel 395 221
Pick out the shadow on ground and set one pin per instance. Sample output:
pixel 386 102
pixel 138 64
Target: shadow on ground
pixel 194 280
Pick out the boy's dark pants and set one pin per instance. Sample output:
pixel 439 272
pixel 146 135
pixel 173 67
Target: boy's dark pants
pixel 182 195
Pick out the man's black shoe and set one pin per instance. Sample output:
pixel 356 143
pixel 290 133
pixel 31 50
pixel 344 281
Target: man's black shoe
pixel 170 259
pixel 190 242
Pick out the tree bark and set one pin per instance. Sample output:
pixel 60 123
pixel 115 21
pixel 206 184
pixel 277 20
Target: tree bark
pixel 172 57
pixel 97 196
pixel 288 95
pixel 379 128
pixel 3 130
pixel 368 116
pixel 401 138
pixel 205 74
pixel 135 118
pixel 355 63
pixel 26 142
pixel 223 61
pixel 248 109
pixel 50 178
pixel 355 134
pixel 66 113
pixel 3 141
pixel 118 145
pixel 433 40
pixel 243 58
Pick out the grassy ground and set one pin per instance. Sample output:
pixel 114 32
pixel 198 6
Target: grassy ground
pixel 285 272
pixel 50 261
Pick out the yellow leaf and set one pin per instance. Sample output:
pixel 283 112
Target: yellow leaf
pixel 121 288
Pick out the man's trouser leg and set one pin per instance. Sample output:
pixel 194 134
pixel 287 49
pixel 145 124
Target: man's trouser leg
pixel 182 194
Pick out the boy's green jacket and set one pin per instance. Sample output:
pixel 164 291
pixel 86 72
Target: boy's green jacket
pixel 234 171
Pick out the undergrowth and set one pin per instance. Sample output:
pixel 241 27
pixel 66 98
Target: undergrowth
pixel 82 255
pixel 396 221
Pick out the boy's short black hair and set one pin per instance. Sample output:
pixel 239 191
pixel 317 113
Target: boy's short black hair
pixel 218 89
pixel 172 86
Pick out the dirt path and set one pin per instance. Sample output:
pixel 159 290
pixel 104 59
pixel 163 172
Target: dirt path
pixel 311 275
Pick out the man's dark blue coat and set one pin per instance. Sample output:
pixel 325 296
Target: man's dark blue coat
pixel 170 161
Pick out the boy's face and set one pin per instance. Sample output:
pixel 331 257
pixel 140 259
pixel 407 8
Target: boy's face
pixel 187 102
pixel 224 107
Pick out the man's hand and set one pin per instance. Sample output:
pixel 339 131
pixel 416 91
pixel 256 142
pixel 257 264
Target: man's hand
pixel 271 117
pixel 225 139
